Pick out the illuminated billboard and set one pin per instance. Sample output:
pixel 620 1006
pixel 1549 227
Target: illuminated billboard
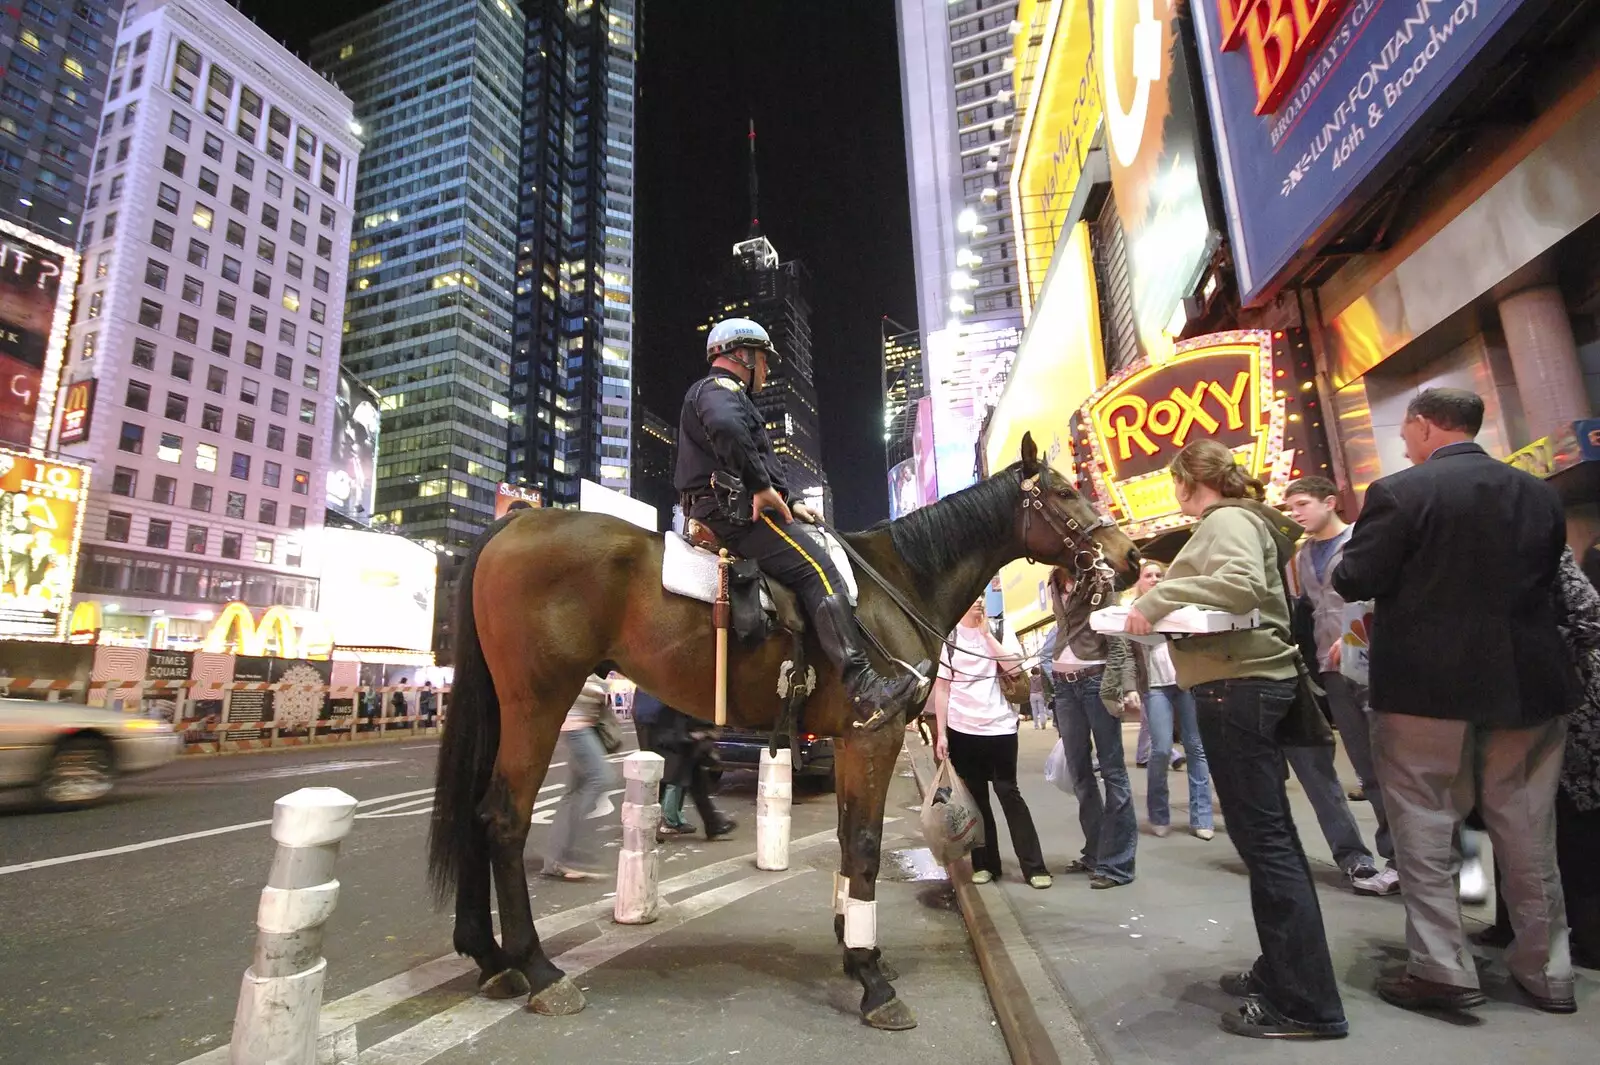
pixel 41 520
pixel 507 494
pixel 1058 367
pixel 967 370
pixel 377 590
pixel 1060 111
pixel 37 276
pixel 598 499
pixel 1250 390
pixel 904 496
pixel 352 476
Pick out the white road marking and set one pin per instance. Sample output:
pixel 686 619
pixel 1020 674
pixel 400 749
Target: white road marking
pixel 423 1042
pixel 384 995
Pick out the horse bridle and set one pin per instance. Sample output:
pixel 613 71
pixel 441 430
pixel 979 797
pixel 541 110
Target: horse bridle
pixel 1079 538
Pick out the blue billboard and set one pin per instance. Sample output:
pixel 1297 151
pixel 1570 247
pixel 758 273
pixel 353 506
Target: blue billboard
pixel 1308 97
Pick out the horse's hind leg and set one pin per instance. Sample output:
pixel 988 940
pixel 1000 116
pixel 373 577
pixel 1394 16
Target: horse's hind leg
pixel 863 767
pixel 506 811
pixel 474 934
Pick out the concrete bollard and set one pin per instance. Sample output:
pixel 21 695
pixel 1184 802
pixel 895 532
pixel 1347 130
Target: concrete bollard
pixel 639 865
pixel 280 1000
pixel 774 797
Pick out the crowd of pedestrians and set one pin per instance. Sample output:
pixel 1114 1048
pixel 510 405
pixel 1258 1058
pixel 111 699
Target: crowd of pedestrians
pixel 1474 699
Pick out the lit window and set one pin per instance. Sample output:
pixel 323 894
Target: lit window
pixel 205 458
pixel 73 67
pixel 204 216
pixel 264 549
pixel 291 299
pixel 171 448
pixel 347 51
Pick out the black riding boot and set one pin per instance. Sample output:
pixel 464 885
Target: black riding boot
pixel 876 699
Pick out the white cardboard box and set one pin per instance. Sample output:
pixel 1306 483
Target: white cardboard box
pixel 1184 621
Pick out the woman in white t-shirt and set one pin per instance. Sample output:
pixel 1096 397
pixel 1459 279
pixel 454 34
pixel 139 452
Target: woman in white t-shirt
pixel 978 733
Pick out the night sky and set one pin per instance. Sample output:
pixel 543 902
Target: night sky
pixel 821 79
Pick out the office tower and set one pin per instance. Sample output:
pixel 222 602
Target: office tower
pixel 208 320
pixel 60 59
pixel 902 387
pixel 572 366
pixel 429 317
pixel 655 456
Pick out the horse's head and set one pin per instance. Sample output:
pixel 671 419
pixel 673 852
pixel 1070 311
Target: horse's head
pixel 1058 527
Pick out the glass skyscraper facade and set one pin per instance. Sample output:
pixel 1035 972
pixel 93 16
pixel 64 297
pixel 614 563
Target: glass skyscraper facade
pixel 436 87
pixel 572 363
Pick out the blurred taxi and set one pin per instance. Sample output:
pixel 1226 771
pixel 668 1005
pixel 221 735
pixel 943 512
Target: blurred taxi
pixel 71 755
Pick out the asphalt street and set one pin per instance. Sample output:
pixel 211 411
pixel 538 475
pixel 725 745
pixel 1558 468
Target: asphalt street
pixel 125 929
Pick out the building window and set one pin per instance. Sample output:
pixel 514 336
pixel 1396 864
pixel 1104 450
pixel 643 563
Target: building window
pixel 136 79
pixel 280 401
pixel 188 328
pixel 195 540
pixel 297 517
pixel 222 343
pixel 178 126
pixel 182 366
pixel 227 305
pixel 167 198
pixel 243 165
pixel 274 184
pixel 230 269
pixel 327 212
pixel 207 181
pixel 320 280
pixel 117 526
pixel 295 265
pixel 110 227
pixel 138 397
pixel 174 161
pixel 155 274
pixel 267 511
pixel 271 474
pixel 213 146
pixel 166 490
pixel 177 407
pixel 161 235
pixel 253 352
pixel 297 233
pixel 264 546
pixel 97 302
pixel 245 429
pixel 302 483
pixel 171 448
pixel 262 285
pixel 211 417
pixel 302 446
pixel 291 298
pixel 286 332
pixel 200 496
pixel 269 217
pixel 144 354
pixel 230 545
pixel 236 504
pixel 319 314
pixel 123 147
pixel 150 314
pixel 275 437
pixel 199 253
pixel 203 217
pixel 125 482
pixel 284 367
pixel 241 467
pixel 302 201
pixel 194 290
pixel 159 533
pixel 205 455
pixel 102 265
pixel 311 377
pixel 325 247
pixel 132 439
pixel 235 233
pixel 239 199
pixel 249 390
pixel 266 249
pixel 217 380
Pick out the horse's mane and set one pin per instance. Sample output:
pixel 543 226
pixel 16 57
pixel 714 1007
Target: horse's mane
pixel 936 537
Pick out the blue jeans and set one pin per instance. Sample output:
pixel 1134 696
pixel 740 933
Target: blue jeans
pixel 1161 705
pixel 1088 729
pixel 1320 779
pixel 571 837
pixel 1239 721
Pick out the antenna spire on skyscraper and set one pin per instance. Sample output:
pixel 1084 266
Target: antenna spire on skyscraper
pixel 755 208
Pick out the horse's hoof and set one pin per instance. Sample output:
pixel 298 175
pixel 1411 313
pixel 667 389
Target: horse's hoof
pixel 510 984
pixel 892 1016
pixel 560 999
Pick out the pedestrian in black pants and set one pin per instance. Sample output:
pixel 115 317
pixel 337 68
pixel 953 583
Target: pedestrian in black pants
pixel 978 733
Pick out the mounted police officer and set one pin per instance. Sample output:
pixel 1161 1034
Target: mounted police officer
pixel 730 480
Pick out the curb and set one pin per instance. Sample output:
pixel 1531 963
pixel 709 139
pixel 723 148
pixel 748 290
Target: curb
pixel 1019 982
pixel 286 748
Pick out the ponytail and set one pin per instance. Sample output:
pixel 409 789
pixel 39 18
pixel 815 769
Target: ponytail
pixel 1209 463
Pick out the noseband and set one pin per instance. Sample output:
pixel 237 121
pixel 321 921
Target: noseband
pixel 1078 538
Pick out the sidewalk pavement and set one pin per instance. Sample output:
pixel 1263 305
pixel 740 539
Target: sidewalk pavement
pixel 1137 966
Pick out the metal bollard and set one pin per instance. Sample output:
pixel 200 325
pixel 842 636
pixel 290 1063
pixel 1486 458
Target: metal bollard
pixel 774 797
pixel 280 1000
pixel 638 865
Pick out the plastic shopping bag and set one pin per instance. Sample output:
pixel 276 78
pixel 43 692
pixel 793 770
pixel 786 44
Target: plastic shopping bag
pixel 950 820
pixel 1357 639
pixel 1055 768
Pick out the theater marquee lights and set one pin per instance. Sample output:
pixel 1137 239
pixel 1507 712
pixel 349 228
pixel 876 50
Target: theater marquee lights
pixel 1251 390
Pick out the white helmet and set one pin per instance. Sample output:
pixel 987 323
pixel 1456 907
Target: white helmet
pixel 731 334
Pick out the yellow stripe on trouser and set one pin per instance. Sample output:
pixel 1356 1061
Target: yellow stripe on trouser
pixel 827 585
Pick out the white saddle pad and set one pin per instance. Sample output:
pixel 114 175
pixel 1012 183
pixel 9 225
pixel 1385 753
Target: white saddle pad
pixel 691 571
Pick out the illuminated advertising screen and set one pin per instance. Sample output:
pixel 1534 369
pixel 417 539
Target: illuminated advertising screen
pixel 508 494
pixel 925 454
pixel 41 519
pixel 77 412
pixel 352 477
pixel 1250 390
pixel 598 499
pixel 904 494
pixel 36 280
pixel 377 590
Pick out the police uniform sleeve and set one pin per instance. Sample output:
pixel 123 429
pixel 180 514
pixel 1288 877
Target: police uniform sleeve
pixel 720 413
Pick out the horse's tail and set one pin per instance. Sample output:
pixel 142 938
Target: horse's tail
pixel 456 837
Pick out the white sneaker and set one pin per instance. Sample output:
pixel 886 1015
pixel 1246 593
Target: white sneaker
pixel 1474 885
pixel 982 876
pixel 1387 882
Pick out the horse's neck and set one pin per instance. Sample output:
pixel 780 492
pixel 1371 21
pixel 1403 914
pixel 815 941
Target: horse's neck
pixel 942 598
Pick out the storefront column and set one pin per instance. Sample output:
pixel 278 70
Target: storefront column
pixel 1544 358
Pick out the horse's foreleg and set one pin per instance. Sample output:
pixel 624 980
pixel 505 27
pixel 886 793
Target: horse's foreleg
pixel 863 768
pixel 507 811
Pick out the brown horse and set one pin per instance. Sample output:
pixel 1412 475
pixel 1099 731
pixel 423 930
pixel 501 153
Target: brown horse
pixel 549 595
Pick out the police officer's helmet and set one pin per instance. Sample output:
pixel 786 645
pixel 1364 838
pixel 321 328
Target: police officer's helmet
pixel 732 334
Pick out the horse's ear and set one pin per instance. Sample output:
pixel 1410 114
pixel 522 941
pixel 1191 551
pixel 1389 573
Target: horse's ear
pixel 1030 455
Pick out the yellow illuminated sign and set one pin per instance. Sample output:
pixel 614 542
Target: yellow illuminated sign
pixel 236 629
pixel 1057 367
pixel 1061 113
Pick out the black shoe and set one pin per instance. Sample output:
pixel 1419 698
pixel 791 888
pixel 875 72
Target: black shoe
pixel 667 831
pixel 1102 883
pixel 1078 865
pixel 1495 937
pixel 875 698
pixel 1565 1004
pixel 1256 1020
pixel 722 826
pixel 1239 985
pixel 1414 993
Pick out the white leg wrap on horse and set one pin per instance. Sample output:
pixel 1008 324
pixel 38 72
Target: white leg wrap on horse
pixel 841 891
pixel 860 923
